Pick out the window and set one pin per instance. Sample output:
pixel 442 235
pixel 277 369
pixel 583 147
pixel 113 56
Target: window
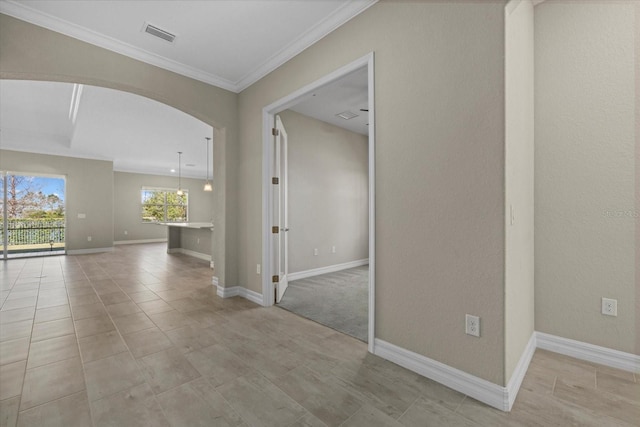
pixel 164 205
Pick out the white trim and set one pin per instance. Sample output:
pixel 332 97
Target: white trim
pixel 239 291
pixel 36 17
pixel 268 114
pixel 135 242
pixel 189 252
pixel 328 269
pixel 89 251
pixel 513 386
pixel 223 292
pixel 349 10
pixel 589 352
pixel 478 388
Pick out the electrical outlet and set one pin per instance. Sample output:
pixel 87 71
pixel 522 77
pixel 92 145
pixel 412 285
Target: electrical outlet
pixel 609 307
pixel 198 241
pixel 258 269
pixel 126 232
pixel 212 265
pixel 88 238
pixel 472 325
pixel 315 251
pixel 333 249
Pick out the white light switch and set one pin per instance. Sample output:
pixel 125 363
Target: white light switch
pixel 82 216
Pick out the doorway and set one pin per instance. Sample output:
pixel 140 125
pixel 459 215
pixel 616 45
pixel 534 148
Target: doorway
pixel 276 232
pixel 32 215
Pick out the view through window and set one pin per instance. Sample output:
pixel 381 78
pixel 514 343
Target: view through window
pixel 32 215
pixel 164 205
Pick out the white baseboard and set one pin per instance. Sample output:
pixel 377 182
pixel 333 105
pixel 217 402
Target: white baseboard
pixel 229 292
pixel 478 388
pixel 136 242
pixel 589 352
pixel 513 386
pixel 238 291
pixel 194 254
pixel 89 251
pixel 324 270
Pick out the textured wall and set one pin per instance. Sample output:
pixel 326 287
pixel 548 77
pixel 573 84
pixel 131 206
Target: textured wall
pixel 89 190
pixel 127 204
pixel 585 170
pixel 328 193
pixel 439 171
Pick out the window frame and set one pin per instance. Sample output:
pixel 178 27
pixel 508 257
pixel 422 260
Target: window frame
pixel 165 206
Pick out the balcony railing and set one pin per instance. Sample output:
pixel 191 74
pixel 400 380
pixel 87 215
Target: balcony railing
pixel 33 232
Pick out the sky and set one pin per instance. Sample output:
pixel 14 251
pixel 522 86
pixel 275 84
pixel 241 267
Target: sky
pixel 51 186
pixel 48 185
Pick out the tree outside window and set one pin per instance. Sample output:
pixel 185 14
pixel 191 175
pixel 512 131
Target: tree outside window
pixel 164 205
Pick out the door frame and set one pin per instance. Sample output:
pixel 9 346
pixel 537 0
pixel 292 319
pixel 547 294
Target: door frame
pixel 268 120
pixel 4 173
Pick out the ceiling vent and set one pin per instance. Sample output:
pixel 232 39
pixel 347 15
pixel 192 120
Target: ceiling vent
pixel 347 115
pixel 155 31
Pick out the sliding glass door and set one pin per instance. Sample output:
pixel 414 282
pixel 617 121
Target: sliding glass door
pixel 33 215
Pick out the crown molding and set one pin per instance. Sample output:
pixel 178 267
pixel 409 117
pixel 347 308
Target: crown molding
pixel 350 9
pixel 345 13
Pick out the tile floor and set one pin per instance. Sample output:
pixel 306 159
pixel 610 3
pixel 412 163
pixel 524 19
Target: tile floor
pixel 138 337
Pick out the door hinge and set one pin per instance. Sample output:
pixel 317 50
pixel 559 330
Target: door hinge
pixel 275 279
pixel 275 230
pixel 275 180
pixel 275 132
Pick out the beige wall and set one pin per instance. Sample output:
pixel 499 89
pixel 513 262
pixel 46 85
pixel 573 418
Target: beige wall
pixel 519 181
pixel 328 193
pixel 89 190
pixel 28 52
pixel 585 170
pixel 439 171
pixel 127 204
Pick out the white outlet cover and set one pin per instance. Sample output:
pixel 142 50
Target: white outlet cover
pixel 472 325
pixel 609 307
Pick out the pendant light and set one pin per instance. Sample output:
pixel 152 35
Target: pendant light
pixel 180 192
pixel 207 185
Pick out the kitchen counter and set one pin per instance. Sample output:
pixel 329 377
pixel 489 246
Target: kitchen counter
pixel 189 238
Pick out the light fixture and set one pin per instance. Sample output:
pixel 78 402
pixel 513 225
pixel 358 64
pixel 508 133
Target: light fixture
pixel 207 185
pixel 180 192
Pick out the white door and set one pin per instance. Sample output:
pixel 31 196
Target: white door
pixel 281 209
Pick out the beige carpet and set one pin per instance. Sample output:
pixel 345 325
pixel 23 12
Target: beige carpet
pixel 338 300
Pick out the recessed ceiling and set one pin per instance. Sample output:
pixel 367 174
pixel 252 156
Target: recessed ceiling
pixel 227 43
pixel 136 133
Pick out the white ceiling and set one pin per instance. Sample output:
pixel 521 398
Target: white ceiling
pixel 347 94
pixel 136 133
pixel 227 43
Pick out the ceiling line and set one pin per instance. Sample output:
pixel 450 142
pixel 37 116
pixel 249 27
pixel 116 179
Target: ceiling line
pixel 350 9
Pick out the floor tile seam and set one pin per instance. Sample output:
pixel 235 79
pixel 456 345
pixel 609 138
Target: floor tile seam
pixel 57 398
pixel 360 409
pixel 24 375
pixel 51 363
pixel 408 407
pixel 233 408
pixel 84 374
pixel 51 401
pixel 457 409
